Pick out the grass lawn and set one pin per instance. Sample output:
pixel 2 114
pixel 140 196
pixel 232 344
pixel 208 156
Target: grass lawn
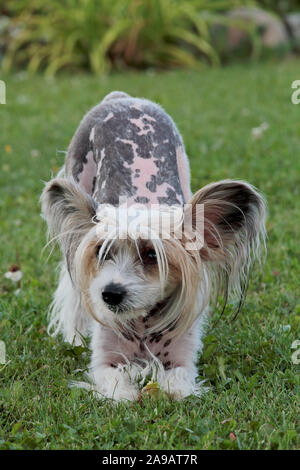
pixel 253 402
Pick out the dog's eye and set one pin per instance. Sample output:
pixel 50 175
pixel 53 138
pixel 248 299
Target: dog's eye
pixel 149 256
pixel 97 250
pixel 107 255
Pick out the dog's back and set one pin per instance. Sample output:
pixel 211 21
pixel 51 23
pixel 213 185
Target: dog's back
pixel 129 147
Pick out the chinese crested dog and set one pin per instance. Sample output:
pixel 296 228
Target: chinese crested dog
pixel 143 258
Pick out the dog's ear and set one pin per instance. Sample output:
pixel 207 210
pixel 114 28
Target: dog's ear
pixel 231 215
pixel 68 211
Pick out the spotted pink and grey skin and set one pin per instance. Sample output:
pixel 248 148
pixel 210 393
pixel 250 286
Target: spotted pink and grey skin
pixel 172 352
pixel 129 147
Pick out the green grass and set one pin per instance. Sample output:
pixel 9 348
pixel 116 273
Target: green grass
pixel 254 390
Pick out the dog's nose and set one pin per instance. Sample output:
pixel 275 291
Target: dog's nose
pixel 113 294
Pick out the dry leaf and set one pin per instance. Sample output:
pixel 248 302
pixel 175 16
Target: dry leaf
pixel 8 148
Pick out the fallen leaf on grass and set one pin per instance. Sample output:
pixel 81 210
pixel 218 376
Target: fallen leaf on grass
pixel 152 388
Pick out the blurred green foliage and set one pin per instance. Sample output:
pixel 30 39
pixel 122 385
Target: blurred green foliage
pixel 281 7
pixel 97 35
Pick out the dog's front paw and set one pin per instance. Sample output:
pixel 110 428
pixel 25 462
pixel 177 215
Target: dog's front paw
pixel 115 383
pixel 179 383
pixel 128 393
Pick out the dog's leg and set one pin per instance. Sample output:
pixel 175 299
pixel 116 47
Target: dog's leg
pixel 110 370
pixel 66 315
pixel 180 382
pixel 114 383
pixel 179 372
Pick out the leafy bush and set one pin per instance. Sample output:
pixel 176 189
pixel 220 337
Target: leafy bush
pixel 99 34
pixel 281 7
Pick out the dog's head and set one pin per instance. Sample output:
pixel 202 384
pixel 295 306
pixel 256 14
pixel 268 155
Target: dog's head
pixel 126 266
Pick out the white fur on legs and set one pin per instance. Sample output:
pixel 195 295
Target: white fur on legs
pixel 114 383
pixel 122 383
pixel 66 315
pixel 180 382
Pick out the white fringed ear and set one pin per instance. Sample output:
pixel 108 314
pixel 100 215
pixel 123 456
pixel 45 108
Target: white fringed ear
pixel 68 212
pixel 234 228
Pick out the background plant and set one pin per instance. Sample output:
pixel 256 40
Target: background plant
pixel 282 8
pixel 98 34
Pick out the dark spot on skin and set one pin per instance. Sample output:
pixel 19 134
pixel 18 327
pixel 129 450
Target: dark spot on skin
pixel 158 338
pixel 94 184
pixel 78 163
pixel 167 365
pixel 167 343
pixel 172 326
pixel 158 354
pixel 142 347
pixel 127 336
pixel 113 365
pixel 151 185
pixel 156 335
pixel 171 198
pixel 141 200
pixel 158 307
pixel 166 354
